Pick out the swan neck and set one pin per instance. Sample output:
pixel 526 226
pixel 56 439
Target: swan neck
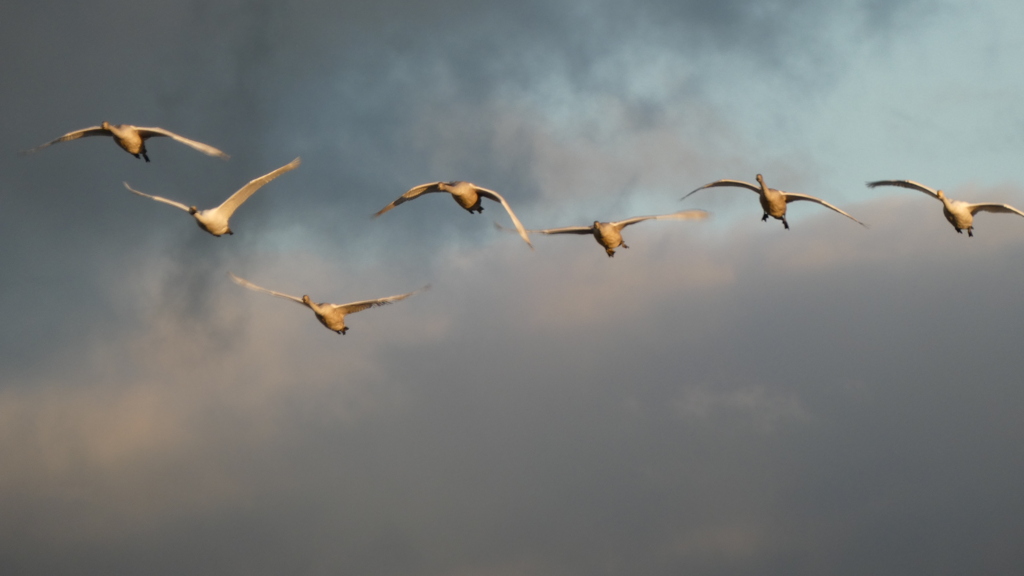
pixel 764 187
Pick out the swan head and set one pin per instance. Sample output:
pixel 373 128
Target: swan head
pixel 764 187
pixel 192 210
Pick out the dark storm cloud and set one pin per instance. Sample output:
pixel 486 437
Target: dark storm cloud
pixel 347 85
pixel 373 90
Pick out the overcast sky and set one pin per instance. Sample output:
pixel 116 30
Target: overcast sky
pixel 725 397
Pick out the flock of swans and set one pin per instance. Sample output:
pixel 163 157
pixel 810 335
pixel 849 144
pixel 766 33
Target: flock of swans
pixel 470 196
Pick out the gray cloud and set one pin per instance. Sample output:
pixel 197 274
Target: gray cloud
pixel 722 397
pixel 735 411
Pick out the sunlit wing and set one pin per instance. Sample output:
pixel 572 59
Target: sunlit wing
pixel 412 194
pixel 905 184
pixel 726 183
pixel 353 307
pixel 235 200
pixel 498 198
pixel 566 230
pixel 793 197
pixel 681 215
pixel 204 148
pixel 991 207
pixel 251 286
pixel 157 198
pixel 93 131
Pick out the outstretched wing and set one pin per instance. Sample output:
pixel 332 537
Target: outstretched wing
pixel 251 286
pixel 353 307
pixel 412 194
pixel 566 230
pixel 204 148
pixel 235 200
pixel 157 198
pixel 498 198
pixel 793 197
pixel 726 183
pixel 92 131
pixel 991 207
pixel 905 184
pixel 681 215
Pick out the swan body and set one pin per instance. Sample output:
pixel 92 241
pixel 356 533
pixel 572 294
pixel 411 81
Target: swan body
pixel 465 194
pixel 609 234
pixel 215 220
pixel 330 315
pixel 132 139
pixel 773 201
pixel 959 213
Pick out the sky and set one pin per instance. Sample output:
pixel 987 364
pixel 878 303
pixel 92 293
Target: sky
pixel 725 397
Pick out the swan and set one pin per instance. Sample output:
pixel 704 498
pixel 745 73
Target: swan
pixel 215 220
pixel 609 234
pixel 330 315
pixel 959 213
pixel 132 139
pixel 773 201
pixel 466 194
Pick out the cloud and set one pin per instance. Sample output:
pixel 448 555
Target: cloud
pixel 748 411
pixel 724 396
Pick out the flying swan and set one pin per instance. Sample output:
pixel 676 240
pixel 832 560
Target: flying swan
pixel 215 220
pixel 466 194
pixel 330 315
pixel 609 234
pixel 132 139
pixel 773 201
pixel 959 213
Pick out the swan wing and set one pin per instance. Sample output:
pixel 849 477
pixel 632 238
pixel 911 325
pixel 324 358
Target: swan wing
pixel 726 183
pixel 204 148
pixel 905 184
pixel 353 307
pixel 992 207
pixel 92 131
pixel 681 215
pixel 235 200
pixel 157 198
pixel 565 230
pixel 498 198
pixel 412 194
pixel 251 286
pixel 793 197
